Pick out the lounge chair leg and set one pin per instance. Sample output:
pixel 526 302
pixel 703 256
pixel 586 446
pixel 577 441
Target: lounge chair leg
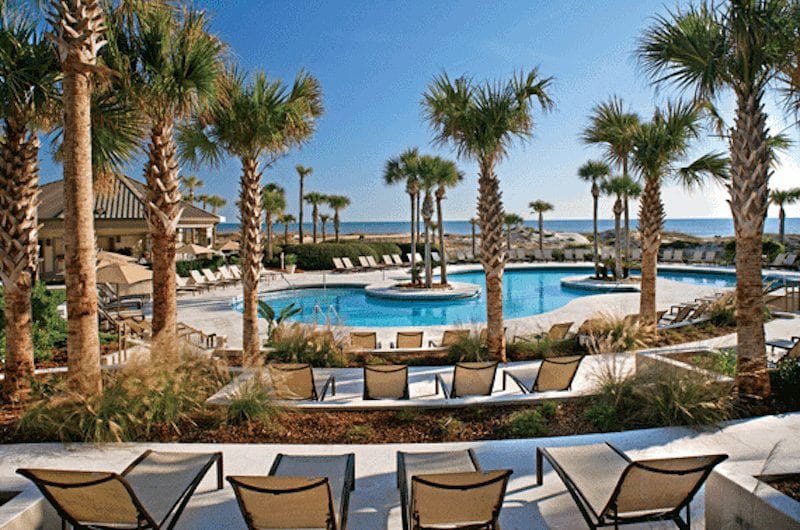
pixel 539 478
pixel 220 480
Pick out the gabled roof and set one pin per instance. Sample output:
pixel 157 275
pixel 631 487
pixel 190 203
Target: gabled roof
pixel 125 201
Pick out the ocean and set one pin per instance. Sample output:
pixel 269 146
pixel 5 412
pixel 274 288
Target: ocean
pixel 695 227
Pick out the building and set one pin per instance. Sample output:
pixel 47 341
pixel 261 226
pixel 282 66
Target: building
pixel 120 223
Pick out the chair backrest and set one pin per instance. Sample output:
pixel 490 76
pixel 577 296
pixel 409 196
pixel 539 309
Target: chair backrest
pixel 409 339
pixel 778 261
pixel 636 254
pixel 292 380
pixel 285 502
pixel 397 259
pixel 337 264
pixel 180 281
pixel 794 351
pixel 385 382
pixel 697 255
pixel 559 331
pixel 677 255
pixel 790 259
pixel 347 263
pixel 569 254
pixel 197 277
pixel 366 340
pixel 667 256
pixel 590 324
pixel 224 272
pixel 236 270
pixel 408 257
pixel 362 260
pixel 387 259
pixel 209 275
pixel 452 336
pixel 418 256
pixel 557 373
pixel 538 254
pixel 461 256
pixel 710 256
pixel 89 496
pixel 661 485
pixel 548 254
pixel 473 378
pixel 464 500
pixel 435 256
pixel 371 262
pixel 682 314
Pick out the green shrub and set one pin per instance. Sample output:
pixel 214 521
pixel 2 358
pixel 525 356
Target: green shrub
pixel 468 349
pixel 722 312
pixel 786 381
pixel 49 330
pixel 770 248
pixel 382 247
pixel 528 423
pixel 320 256
pixel 533 349
pixel 184 267
pixel 359 434
pixel 603 415
pixel 250 402
pixel 722 361
pixel 451 427
pixel 405 248
pixel 295 343
pixel 549 409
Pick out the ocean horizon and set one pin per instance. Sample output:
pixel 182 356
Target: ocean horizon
pixel 708 227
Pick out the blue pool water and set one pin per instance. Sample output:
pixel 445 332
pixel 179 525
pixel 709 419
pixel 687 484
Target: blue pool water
pixel 525 292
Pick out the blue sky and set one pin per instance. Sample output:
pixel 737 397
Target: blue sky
pixel 375 59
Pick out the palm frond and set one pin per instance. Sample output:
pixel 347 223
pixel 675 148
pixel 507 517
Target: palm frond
pixel 710 166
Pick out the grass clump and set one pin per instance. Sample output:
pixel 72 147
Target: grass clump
pixel 612 334
pixel 468 349
pixel 251 402
pixel 721 361
pixel 407 415
pixel 523 350
pixel 295 343
pixel 451 427
pixel 532 422
pixel 359 434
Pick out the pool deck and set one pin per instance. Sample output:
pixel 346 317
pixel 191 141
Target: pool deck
pixel 212 311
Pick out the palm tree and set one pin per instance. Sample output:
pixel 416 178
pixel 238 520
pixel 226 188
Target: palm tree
pixel 741 46
pixel 337 203
pixel 611 125
pixel 512 222
pixel 595 172
pixel 173 73
pixel 445 175
pixel 539 207
pixel 216 202
pixel 323 222
pixel 273 202
pixel 481 121
pixel 315 199
pixel 405 169
pixel 190 184
pixel 660 148
pixel 203 200
pixel 77 31
pixel 780 198
pixel 286 219
pixel 256 121
pixel 302 173
pixel 474 222
pixel 28 75
pixel 619 187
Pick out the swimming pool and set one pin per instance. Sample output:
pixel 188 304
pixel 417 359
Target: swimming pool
pixel 526 292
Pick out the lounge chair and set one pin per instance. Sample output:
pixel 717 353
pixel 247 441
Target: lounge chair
pixel 364 340
pixel 696 257
pixel 677 256
pixel 435 257
pixel 295 381
pixel 227 275
pixel 388 261
pixel 548 254
pixel 580 254
pixel 364 263
pixel 450 337
pixel 636 255
pixel 303 491
pixel 385 381
pixel 408 339
pixel 666 256
pixel 569 254
pixel 778 261
pixel 461 257
pixel 182 286
pixel 449 490
pixel 151 492
pixel 556 332
pixel 213 278
pixel 469 379
pixel 538 255
pixel 338 265
pixel 397 260
pixel 789 262
pixel 611 489
pixel 710 256
pixel 554 374
pixel 199 279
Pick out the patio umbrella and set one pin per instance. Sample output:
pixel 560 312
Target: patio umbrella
pixel 230 246
pixel 105 257
pixel 190 249
pixel 124 274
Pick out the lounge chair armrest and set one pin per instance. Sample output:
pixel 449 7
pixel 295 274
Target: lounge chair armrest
pixel 391 345
pixel 329 383
pixel 520 338
pixel 520 384
pixel 440 383
pixel 432 344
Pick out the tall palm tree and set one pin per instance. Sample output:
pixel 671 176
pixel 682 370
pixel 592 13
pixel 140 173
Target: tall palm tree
pixel 173 74
pixel 512 222
pixel 445 175
pixel 540 207
pixel 302 173
pixel 190 184
pixel 660 149
pixel 215 202
pixel 405 169
pixel 611 125
pixel 77 31
pixel 202 199
pixel 323 223
pixel 273 202
pixel 474 222
pixel 28 75
pixel 619 188
pixel 256 121
pixel 741 45
pixel 595 172
pixel 780 198
pixel 315 199
pixel 337 203
pixel 286 219
pixel 481 121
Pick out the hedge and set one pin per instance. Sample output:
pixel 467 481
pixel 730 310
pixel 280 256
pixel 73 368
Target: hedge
pixel 320 256
pixel 183 267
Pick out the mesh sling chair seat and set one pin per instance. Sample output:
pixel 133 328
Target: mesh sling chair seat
pixel 408 339
pixel 611 489
pixel 450 337
pixel 554 374
pixel 386 382
pixel 556 332
pixel 295 381
pixel 364 340
pixel 449 490
pixel 151 493
pixel 469 379
pixel 299 492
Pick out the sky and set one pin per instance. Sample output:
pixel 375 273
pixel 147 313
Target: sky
pixel 374 61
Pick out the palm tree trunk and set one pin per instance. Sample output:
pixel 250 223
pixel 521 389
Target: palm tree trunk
pixel 268 219
pixel 83 341
pixel 617 239
pixel 315 220
pixel 541 231
pixel 473 239
pixel 651 221
pixel 442 250
pixel 19 191
pixel 300 211
pixel 595 196
pixel 781 224
pixel 324 235
pixel 164 212
pixel 493 256
pixel 413 238
pixel 627 212
pixel 285 233
pixel 250 203
pixel 749 191
pixel 336 224
pixel 427 214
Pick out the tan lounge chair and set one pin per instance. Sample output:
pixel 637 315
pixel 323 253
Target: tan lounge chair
pixel 364 263
pixel 151 492
pixel 295 381
pixel 449 490
pixel 386 382
pixel 364 340
pixel 182 286
pixel 199 279
pixel 408 339
pixel 450 337
pixel 299 492
pixel 397 259
pixel 212 278
pixel 469 379
pixel 611 489
pixel 556 332
pixel 554 374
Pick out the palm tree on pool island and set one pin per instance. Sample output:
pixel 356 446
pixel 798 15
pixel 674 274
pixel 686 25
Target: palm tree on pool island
pixel 740 46
pixel 619 188
pixel 595 172
pixel 302 173
pixel 257 121
pixel 315 199
pixel 323 224
pixel 286 219
pixel 445 175
pixel 780 198
pixel 512 222
pixel 481 121
pixel 405 169
pixel 337 203
pixel 540 207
